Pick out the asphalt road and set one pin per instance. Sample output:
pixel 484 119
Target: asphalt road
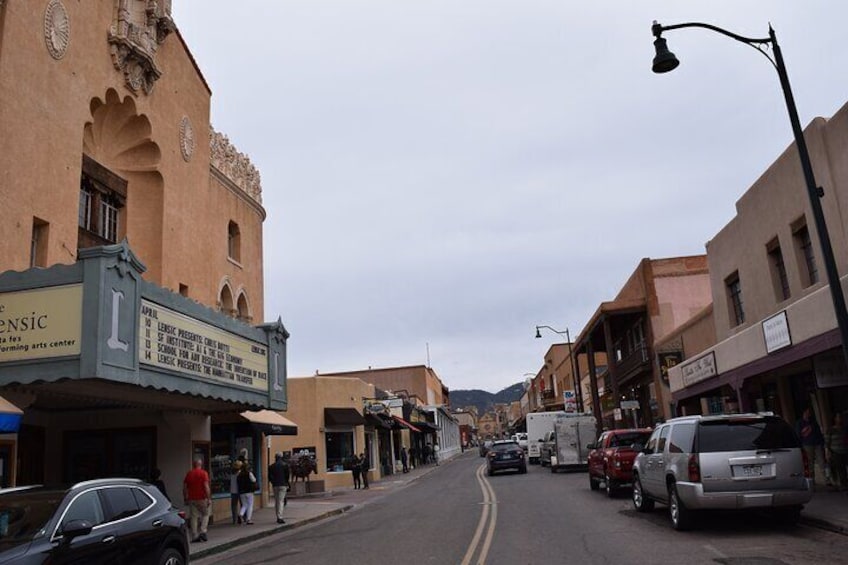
pixel 458 515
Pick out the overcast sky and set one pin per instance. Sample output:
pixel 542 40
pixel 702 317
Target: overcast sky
pixel 454 172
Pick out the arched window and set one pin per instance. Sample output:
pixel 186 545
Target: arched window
pixel 226 301
pixel 244 309
pixel 233 242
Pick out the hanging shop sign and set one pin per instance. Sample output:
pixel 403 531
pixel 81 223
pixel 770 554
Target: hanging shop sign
pixel 699 369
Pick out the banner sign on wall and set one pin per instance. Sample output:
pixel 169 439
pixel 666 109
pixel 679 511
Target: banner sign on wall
pixel 40 323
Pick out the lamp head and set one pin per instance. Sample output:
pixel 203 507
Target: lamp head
pixel 664 60
pixel 538 333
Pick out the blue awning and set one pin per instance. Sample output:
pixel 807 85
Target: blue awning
pixel 10 417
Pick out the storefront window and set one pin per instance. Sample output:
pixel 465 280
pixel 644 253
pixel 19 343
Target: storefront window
pixel 227 441
pixel 340 449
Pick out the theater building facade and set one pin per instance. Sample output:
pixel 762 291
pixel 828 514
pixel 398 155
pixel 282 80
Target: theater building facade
pixel 131 273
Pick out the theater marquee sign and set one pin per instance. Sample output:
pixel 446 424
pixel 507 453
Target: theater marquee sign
pixel 171 340
pixel 98 320
pixel 40 323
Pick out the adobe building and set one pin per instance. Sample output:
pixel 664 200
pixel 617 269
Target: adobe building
pixel 659 296
pixel 131 255
pixel 776 345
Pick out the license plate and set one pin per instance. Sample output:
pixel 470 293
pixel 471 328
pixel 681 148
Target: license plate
pixel 752 470
pixel 507 456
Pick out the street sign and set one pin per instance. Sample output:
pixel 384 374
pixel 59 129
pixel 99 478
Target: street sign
pixel 629 404
pixel 570 400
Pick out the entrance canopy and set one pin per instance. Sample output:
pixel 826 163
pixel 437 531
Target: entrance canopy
pixel 343 417
pixel 270 423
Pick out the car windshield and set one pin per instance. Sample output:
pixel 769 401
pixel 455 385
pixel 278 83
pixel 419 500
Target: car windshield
pixel 745 434
pixel 505 446
pixel 24 514
pixel 628 438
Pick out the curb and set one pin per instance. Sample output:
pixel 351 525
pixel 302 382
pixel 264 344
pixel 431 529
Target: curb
pixel 266 533
pixel 822 524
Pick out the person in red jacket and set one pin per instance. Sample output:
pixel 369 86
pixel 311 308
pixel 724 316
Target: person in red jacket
pixel 197 495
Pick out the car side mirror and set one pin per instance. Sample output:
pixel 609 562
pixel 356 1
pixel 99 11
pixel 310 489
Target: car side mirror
pixel 75 528
pixel 591 446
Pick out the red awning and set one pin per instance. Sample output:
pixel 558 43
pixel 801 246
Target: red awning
pixel 406 424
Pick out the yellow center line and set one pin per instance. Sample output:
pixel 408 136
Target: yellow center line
pixel 489 501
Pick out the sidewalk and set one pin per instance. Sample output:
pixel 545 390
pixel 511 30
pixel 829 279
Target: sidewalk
pixel 301 511
pixel 827 510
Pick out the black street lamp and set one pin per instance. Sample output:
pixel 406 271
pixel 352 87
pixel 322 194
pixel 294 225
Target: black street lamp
pixel 575 376
pixel 665 61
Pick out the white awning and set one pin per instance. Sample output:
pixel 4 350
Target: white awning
pixel 270 422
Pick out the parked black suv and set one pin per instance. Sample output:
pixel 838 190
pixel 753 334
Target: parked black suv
pixel 114 521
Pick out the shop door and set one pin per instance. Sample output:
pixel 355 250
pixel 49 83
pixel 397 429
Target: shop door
pixel 6 452
pixel 31 458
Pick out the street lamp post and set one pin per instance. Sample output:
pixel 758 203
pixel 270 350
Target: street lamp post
pixel 665 61
pixel 575 376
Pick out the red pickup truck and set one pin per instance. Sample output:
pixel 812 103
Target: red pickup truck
pixel 611 458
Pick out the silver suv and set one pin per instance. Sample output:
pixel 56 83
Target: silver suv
pixel 737 461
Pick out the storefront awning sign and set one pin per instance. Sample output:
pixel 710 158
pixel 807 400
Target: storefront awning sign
pixel 343 417
pixel 270 423
pixel 403 423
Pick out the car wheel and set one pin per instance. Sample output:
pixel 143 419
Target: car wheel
pixel 593 482
pixel 171 557
pixel 553 469
pixel 640 501
pixel 611 486
pixel 523 469
pixel 681 517
pixel 490 472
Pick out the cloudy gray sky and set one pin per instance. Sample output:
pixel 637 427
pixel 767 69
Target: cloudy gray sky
pixel 454 172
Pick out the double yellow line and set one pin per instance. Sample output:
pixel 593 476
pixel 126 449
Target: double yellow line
pixel 488 514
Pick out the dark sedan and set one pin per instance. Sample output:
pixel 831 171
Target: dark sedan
pixel 121 521
pixel 505 455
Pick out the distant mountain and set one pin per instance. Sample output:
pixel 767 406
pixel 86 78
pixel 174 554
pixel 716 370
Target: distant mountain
pixel 484 400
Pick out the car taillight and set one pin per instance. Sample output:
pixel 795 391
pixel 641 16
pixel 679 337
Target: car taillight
pixel 181 514
pixel 807 472
pixel 694 468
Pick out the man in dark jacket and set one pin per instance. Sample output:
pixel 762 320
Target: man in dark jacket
pixel 278 476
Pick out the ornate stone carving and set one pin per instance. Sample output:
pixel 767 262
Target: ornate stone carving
pixel 234 165
pixel 186 139
pixel 138 29
pixel 57 28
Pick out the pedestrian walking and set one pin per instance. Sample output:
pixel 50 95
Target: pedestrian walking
pixel 234 495
pixel 812 441
pixel 356 469
pixel 278 476
pixel 404 459
pixel 197 495
pixel 436 454
pixel 246 487
pixel 836 451
pixel 156 480
pixel 413 457
pixel 365 468
pixel 427 452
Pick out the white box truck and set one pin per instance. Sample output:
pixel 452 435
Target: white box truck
pixel 538 424
pixel 572 432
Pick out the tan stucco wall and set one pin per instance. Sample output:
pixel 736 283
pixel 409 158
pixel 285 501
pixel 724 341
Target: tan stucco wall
pixel 176 216
pixel 417 380
pixel 767 210
pixel 307 399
